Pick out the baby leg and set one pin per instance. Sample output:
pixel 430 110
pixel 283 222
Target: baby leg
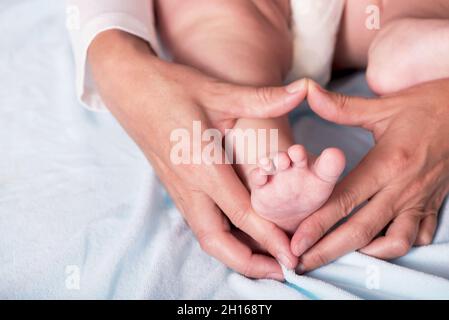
pixel 410 44
pixel 249 42
pixel 408 52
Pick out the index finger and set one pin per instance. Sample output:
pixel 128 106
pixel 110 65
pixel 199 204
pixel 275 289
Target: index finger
pixel 354 234
pixel 214 235
pixel 213 231
pixel 361 184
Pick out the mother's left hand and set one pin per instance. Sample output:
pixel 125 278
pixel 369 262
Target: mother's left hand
pixel 405 176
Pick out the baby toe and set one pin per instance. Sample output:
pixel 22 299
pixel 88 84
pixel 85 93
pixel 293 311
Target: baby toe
pixel 281 161
pixel 267 165
pixel 257 178
pixel 298 155
pixel 330 165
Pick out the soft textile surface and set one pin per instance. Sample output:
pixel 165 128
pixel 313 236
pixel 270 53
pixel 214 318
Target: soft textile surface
pixel 79 202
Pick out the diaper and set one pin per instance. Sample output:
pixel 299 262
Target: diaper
pixel 315 25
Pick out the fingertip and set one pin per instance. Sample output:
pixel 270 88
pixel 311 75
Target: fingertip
pixel 320 100
pixel 424 239
pixel 299 244
pixel 294 244
pixel 271 238
pixel 300 268
pixel 312 260
pixel 426 231
pixel 275 272
pixel 288 260
pixel 285 255
pixel 298 86
pixel 313 87
pixel 262 267
pixel 276 276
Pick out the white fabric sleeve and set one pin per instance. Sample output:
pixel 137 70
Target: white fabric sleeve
pixel 87 18
pixel 315 28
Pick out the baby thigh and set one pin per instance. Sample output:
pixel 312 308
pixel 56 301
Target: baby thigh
pixel 363 20
pixel 251 38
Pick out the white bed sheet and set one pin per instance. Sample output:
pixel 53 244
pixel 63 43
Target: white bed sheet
pixel 82 214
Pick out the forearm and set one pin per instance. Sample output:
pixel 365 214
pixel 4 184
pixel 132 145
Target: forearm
pixel 114 56
pixel 144 93
pixel 122 68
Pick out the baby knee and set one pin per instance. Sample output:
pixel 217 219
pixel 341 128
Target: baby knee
pixel 384 74
pixel 380 79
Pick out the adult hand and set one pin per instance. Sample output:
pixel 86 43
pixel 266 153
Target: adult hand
pixel 404 178
pixel 151 98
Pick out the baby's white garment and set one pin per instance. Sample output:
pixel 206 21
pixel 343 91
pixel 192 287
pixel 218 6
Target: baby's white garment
pixel 315 25
pixel 87 18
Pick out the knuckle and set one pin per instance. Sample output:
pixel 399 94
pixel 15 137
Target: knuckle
pixel 347 201
pixel 208 242
pixel 342 104
pixel 399 159
pixel 415 188
pixel 264 94
pixel 361 234
pixel 400 246
pixel 239 218
pixel 213 88
pixel 212 93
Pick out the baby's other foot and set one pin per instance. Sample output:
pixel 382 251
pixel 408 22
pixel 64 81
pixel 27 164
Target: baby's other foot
pixel 289 186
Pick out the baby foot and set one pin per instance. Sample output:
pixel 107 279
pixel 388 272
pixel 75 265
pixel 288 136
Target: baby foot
pixel 290 186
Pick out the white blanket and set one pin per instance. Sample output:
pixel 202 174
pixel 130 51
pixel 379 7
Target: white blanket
pixel 82 214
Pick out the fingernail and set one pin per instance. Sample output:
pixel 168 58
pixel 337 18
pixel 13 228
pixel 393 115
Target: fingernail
pixel 300 269
pixel 301 247
pixel 283 259
pixel 296 86
pixel 276 276
pixel 315 85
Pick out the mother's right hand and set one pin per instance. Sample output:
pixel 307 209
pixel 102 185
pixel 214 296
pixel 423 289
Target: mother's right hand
pixel 151 98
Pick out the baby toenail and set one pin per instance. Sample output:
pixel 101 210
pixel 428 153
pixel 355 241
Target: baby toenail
pixel 264 162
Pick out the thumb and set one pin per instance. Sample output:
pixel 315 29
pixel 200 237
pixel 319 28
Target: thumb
pixel 259 102
pixel 342 109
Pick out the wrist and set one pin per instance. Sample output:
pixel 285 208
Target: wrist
pixel 119 61
pixel 127 75
pixel 115 47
